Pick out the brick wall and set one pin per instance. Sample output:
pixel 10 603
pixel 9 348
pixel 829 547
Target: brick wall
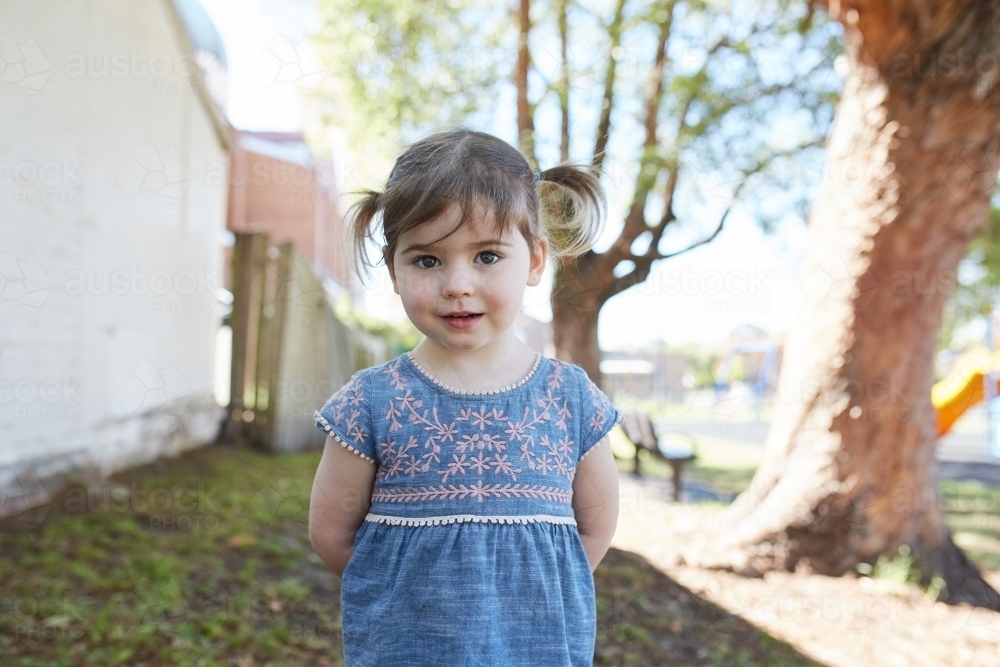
pixel 278 187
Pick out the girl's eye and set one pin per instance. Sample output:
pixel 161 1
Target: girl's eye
pixel 429 262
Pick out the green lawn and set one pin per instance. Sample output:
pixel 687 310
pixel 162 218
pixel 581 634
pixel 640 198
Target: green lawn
pixel 195 561
pixel 972 509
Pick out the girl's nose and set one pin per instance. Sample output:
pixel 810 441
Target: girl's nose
pixel 458 282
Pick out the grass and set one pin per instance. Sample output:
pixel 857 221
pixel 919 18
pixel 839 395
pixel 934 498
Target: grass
pixel 972 509
pixel 203 560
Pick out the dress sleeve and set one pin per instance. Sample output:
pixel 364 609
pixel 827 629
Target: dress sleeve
pixel 597 415
pixel 347 416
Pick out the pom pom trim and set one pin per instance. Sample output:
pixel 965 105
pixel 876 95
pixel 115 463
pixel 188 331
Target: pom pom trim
pixel 325 425
pixel 462 518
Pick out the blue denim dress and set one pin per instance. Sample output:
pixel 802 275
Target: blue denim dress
pixel 470 553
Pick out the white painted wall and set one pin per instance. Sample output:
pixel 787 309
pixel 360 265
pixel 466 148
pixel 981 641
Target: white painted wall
pixel 113 187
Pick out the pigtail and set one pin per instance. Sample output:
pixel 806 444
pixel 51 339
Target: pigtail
pixel 573 207
pixel 359 228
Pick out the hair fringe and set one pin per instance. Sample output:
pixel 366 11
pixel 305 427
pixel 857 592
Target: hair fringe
pixel 574 208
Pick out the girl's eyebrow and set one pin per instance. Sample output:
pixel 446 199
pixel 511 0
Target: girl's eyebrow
pixel 419 247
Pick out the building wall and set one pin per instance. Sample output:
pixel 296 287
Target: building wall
pixel 289 201
pixel 113 194
pixel 274 196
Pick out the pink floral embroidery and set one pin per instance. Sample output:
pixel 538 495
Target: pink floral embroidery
pixel 502 465
pixel 393 371
pixel 480 442
pixel 600 413
pixel 392 416
pixel 479 464
pixel 352 394
pixel 555 378
pixel 475 441
pixel 457 466
pixel 413 466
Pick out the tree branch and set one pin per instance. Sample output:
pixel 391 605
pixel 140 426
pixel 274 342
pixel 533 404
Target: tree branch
pixel 668 206
pixel 644 262
pixel 635 221
pixel 607 100
pixel 564 82
pixel 745 99
pixel 635 218
pixel 672 175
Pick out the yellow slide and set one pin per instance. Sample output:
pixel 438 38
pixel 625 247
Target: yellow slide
pixel 963 387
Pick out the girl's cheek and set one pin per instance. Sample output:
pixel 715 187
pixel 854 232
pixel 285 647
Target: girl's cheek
pixel 422 289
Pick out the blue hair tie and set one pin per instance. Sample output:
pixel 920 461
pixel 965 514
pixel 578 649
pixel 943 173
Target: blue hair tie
pixel 538 176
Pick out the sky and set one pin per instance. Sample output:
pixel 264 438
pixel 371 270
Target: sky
pixel 743 276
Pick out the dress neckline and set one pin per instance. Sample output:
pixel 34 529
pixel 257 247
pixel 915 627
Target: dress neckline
pixel 460 392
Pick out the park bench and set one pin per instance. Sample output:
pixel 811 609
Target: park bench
pixel 639 429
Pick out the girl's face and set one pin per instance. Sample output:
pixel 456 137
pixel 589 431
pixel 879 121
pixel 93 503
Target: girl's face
pixel 464 292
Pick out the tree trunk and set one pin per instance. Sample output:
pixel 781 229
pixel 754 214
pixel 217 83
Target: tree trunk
pixel 849 471
pixel 525 114
pixel 576 306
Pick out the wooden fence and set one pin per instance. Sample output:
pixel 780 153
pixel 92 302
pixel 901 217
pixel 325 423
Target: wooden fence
pixel 289 350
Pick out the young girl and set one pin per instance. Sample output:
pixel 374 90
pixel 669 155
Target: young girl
pixel 467 489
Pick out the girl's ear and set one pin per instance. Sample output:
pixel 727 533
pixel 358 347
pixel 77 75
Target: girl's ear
pixel 539 255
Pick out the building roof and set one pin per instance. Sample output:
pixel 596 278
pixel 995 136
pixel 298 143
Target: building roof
pixel 204 36
pixel 287 146
pixel 219 122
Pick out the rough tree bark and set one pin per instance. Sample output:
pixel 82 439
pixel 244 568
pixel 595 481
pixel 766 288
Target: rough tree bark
pixel 849 471
pixel 576 305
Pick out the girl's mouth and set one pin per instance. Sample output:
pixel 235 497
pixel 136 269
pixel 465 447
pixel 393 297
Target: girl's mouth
pixel 462 321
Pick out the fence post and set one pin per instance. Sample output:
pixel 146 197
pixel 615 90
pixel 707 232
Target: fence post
pixel 277 327
pixel 249 263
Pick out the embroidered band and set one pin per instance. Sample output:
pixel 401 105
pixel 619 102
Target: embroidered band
pixel 478 491
pixel 462 518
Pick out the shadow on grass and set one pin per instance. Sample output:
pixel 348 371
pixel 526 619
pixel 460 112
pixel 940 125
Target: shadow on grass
pixel 646 618
pixel 205 560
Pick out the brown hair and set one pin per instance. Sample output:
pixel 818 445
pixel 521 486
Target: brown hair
pixel 480 172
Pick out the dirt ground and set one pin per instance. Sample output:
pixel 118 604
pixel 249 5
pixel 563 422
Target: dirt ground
pixel 835 621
